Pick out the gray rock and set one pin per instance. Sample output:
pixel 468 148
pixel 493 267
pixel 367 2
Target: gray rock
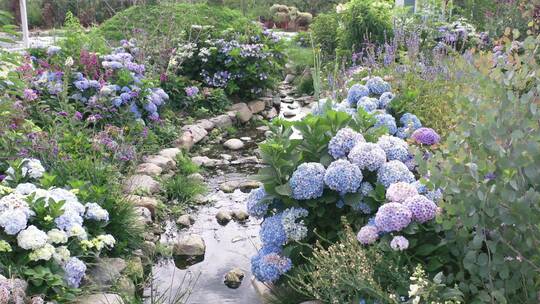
pixel 276 101
pixel 246 160
pixel 149 248
pixel 245 138
pixel 289 78
pixel 170 152
pixel 185 141
pixel 223 217
pixel 288 99
pixel 234 144
pixel 200 199
pixel 106 272
pixel 272 113
pixel 191 245
pixel 185 221
pixel 256 106
pixel 263 128
pixel 165 163
pixel 240 216
pixel 226 156
pixel 144 214
pixel 206 124
pixel 293 106
pixel 150 169
pixel 196 177
pixel 208 162
pixel 141 183
pixel 243 113
pixel 222 121
pixel 149 203
pixel 289 113
pixel 196 131
pixel 100 298
pixel 233 279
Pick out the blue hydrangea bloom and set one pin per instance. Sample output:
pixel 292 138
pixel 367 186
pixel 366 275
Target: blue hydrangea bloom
pixel 74 270
pixel 411 121
pixel 361 207
pixel 272 232
pixel 367 156
pixel 343 177
pixel 356 92
pixel 255 206
pixel 307 182
pixel 366 188
pixel 341 144
pixel 394 171
pixel 368 104
pixel 420 187
pixel 268 266
pixel 385 99
pixel 392 217
pixel 435 195
pixel 377 85
pixel 394 147
pixel 68 220
pixel 386 120
pixel 344 107
pixel 320 107
pixel 13 221
pixel 403 132
pixel 295 230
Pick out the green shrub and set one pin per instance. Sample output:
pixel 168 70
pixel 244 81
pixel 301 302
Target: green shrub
pixel 365 21
pixel 489 171
pixel 325 32
pixel 346 272
pixel 182 188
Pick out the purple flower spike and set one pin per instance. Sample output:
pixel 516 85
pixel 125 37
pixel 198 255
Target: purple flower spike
pixel 426 136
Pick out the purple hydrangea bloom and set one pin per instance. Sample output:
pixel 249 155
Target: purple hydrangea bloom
pixel 343 177
pixel 356 92
pixel 392 217
pixel 367 235
pixel 426 136
pixel 191 91
pixel 394 171
pixel 30 95
pixel 421 207
pixel 341 144
pixel 399 243
pixel 74 270
pixel 307 182
pixel 255 207
pixel 367 156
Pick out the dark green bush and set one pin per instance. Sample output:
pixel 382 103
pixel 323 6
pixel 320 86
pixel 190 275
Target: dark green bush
pixel 325 29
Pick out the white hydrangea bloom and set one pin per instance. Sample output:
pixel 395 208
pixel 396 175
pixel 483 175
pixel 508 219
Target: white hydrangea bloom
pixel 61 254
pixel 400 191
pixel 31 238
pixel 78 232
pixel 25 189
pixel 44 253
pixel 57 236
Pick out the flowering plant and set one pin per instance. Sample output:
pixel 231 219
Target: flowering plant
pixel 347 163
pixel 241 64
pixel 47 230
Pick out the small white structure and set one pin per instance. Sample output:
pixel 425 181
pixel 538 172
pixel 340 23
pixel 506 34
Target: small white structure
pixel 24 24
pixel 404 3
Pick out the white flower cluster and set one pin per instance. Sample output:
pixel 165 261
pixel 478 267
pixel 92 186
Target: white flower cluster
pixel 19 219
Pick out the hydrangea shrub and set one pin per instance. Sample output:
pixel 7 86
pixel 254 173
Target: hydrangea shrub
pixel 348 163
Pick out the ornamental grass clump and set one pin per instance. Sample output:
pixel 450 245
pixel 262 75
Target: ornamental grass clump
pixel 348 163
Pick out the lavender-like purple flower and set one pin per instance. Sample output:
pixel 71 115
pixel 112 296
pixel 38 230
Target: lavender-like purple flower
pixel 30 95
pixel 191 91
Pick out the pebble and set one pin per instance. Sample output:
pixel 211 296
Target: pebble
pixel 223 217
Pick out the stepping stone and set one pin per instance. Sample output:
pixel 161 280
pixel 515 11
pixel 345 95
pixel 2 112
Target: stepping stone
pixel 170 152
pixel 164 162
pixel 256 106
pixel 185 221
pixel 141 183
pixel 240 216
pixel 223 217
pixel 234 144
pixel 191 245
pixel 150 169
pixel 233 279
